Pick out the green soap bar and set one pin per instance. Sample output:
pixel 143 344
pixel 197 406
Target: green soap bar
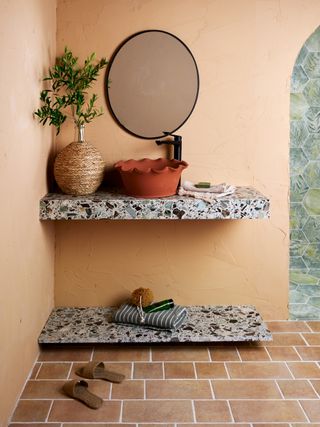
pixel 203 185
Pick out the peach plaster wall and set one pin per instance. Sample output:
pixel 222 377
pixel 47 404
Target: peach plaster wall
pixel 238 133
pixel 27 46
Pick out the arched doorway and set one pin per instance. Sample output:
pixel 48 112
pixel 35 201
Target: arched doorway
pixel 304 295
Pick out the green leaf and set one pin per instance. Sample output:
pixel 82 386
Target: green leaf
pixel 69 82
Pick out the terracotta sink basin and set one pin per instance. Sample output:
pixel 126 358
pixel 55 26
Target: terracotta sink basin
pixel 150 177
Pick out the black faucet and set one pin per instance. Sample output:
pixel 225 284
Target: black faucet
pixel 176 142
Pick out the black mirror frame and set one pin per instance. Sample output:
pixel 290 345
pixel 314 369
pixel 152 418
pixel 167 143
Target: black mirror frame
pixel 106 86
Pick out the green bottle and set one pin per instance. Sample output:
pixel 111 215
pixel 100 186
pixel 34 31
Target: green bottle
pixel 159 306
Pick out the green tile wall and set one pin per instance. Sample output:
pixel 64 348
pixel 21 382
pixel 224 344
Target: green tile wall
pixel 304 295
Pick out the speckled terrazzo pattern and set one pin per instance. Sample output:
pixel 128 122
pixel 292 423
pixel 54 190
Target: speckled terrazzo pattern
pixel 69 325
pixel 246 202
pixel 304 294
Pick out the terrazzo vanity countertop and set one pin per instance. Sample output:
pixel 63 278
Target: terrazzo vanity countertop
pixel 70 325
pixel 245 203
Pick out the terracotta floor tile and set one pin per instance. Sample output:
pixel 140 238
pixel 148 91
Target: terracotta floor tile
pixel 121 353
pixel 65 354
pixel 106 424
pixel 131 389
pixel 271 425
pixel 35 425
pixel 148 370
pixel 31 410
pixel 211 370
pixel 179 370
pixel 261 370
pixel 296 389
pixel 178 389
pixel 266 411
pixel 309 353
pixel 252 353
pixel 54 371
pixel 121 368
pixel 213 425
pixel 74 411
pixel 312 408
pixel 283 353
pixel 305 425
pixel 180 353
pixel 245 389
pixel 287 326
pixel 312 338
pixel 156 425
pixel 315 326
pixel 223 353
pixel 316 385
pixel 52 389
pixel 285 339
pixel 304 369
pixel 153 411
pixel 211 411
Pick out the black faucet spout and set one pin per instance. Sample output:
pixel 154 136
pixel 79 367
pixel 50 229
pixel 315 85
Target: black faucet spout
pixel 176 142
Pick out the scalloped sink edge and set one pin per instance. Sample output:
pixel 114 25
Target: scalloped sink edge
pixel 150 177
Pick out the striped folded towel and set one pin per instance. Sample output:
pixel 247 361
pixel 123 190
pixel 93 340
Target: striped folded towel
pixel 168 319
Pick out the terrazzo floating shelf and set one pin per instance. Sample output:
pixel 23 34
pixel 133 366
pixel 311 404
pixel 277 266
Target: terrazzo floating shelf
pixel 67 325
pixel 245 203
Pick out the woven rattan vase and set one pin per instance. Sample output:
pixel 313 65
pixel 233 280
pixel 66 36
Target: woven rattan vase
pixel 79 167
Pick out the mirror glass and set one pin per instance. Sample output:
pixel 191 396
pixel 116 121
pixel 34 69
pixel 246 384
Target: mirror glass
pixel 153 84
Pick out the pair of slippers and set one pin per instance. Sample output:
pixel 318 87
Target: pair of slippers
pixel 78 389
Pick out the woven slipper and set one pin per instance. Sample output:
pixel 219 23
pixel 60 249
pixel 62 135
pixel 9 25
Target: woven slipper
pixel 79 390
pixel 97 370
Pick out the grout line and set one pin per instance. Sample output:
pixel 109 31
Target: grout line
pixel 211 388
pixel 110 391
pixel 132 370
pixel 195 370
pixel 225 367
pixel 310 383
pixel 239 354
pixel 277 385
pixel 38 371
pixel 144 389
pixel 70 370
pixel 193 411
pixel 230 410
pixel 305 341
pixel 295 349
pixel 150 354
pixel 163 371
pixel 308 326
pixel 47 418
pixel 185 399
pixel 121 411
pixel 303 411
pixel 92 353
pixel 293 377
pixel 268 353
pixel 209 354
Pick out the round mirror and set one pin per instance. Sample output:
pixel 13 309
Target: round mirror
pixel 153 84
